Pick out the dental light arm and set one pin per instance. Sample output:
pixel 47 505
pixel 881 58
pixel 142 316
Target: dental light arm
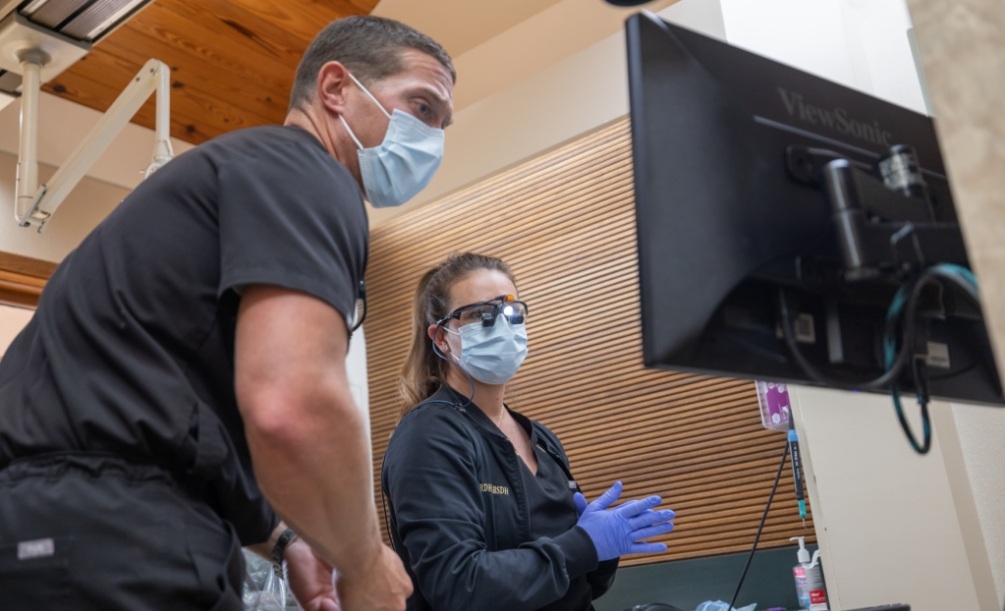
pixel 35 205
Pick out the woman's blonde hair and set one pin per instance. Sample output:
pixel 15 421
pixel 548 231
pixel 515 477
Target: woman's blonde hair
pixel 424 371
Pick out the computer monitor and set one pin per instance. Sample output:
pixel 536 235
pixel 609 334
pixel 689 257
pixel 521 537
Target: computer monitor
pixel 778 216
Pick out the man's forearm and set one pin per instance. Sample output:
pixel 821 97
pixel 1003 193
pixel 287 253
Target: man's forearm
pixel 315 469
pixel 307 438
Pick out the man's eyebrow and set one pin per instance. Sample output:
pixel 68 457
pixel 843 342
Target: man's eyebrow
pixel 445 105
pixel 440 100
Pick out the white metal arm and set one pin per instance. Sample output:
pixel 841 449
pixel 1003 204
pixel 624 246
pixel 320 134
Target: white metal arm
pixel 35 205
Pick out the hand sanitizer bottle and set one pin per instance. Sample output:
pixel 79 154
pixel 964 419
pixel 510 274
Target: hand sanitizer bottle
pixel 809 579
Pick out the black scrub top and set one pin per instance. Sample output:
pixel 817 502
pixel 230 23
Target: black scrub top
pixel 130 352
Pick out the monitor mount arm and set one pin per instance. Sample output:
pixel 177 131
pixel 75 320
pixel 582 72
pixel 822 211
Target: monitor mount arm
pixel 885 224
pixel 35 205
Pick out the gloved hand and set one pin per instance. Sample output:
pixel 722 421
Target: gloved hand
pixel 619 531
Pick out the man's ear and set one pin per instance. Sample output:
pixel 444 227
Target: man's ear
pixel 333 79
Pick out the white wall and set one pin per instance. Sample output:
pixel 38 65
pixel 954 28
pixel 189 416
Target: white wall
pixel 936 557
pixel 981 435
pixel 356 369
pixel 888 522
pixel 859 43
pixel 12 320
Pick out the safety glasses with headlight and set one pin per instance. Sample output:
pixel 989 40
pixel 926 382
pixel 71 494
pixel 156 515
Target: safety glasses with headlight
pixel 486 312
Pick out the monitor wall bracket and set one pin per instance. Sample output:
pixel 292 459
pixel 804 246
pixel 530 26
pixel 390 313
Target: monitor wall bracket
pixel 880 229
pixel 35 205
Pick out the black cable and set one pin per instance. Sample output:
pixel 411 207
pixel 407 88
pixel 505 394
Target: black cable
pixel 778 477
pixel 919 370
pixel 904 312
pixel 882 381
pixel 961 278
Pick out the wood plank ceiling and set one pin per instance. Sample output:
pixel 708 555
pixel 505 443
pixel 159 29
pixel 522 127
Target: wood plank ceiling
pixel 232 61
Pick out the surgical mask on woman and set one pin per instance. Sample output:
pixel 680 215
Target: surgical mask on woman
pixel 403 163
pixel 492 355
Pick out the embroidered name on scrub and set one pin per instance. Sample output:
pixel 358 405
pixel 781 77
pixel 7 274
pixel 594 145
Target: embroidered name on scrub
pixel 495 489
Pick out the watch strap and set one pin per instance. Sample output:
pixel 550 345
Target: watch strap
pixel 279 549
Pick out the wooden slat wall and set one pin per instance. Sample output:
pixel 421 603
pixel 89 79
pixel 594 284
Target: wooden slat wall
pixel 565 223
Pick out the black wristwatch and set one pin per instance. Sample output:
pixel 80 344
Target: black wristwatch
pixel 279 549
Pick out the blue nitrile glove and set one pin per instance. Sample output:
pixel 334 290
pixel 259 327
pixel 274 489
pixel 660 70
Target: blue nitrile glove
pixel 619 531
pixel 580 502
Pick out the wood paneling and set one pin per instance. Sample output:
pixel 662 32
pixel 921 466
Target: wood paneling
pixel 565 223
pixel 232 62
pixel 22 279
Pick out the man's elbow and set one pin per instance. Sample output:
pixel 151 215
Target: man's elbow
pixel 290 418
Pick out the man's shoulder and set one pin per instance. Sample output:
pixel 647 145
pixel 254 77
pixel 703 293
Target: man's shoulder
pixel 264 140
pixel 286 152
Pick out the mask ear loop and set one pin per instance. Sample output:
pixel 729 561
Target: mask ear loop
pixel 437 352
pixel 369 95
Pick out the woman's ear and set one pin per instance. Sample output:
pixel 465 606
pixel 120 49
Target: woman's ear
pixel 436 334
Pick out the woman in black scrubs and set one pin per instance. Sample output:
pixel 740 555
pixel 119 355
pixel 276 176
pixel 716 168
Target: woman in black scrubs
pixel 484 510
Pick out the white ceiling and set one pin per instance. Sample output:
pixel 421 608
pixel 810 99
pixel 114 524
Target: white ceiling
pixel 496 43
pixel 461 25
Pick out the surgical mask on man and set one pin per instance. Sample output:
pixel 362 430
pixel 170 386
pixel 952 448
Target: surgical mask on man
pixel 492 355
pixel 403 163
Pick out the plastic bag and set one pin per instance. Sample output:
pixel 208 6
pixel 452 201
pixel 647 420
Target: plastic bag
pixel 721 605
pixel 264 590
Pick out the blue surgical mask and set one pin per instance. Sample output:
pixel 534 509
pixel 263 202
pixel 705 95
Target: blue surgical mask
pixel 403 163
pixel 492 355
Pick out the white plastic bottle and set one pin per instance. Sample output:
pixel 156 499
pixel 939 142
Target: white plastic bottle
pixel 809 579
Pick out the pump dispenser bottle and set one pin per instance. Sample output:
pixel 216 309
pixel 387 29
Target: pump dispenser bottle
pixel 809 579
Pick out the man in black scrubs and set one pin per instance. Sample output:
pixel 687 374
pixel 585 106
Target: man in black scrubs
pixel 181 390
